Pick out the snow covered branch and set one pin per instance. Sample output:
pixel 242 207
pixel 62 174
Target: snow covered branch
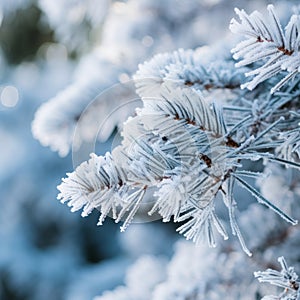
pixel 267 42
pixel 179 144
pixel 286 279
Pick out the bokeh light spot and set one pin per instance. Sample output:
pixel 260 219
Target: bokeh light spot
pixel 9 96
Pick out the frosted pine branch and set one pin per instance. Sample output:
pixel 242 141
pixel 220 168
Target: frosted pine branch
pixel 101 184
pixel 55 121
pixel 267 42
pixel 114 61
pixel 190 140
pixel 178 144
pixel 187 68
pixel 286 279
pixel 76 114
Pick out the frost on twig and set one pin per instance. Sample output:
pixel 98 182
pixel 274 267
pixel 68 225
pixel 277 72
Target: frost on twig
pixel 277 50
pixel 286 279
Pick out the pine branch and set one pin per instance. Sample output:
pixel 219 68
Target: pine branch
pixel 183 146
pixel 102 184
pixel 267 42
pixel 286 279
pixel 55 121
pixel 260 116
pixel 188 105
pixel 186 68
pixel 179 144
pixel 76 113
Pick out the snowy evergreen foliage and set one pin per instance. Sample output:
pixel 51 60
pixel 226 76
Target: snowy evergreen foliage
pixel 197 137
pixel 154 152
pixel 225 272
pixel 268 42
pixel 286 279
pixel 131 33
